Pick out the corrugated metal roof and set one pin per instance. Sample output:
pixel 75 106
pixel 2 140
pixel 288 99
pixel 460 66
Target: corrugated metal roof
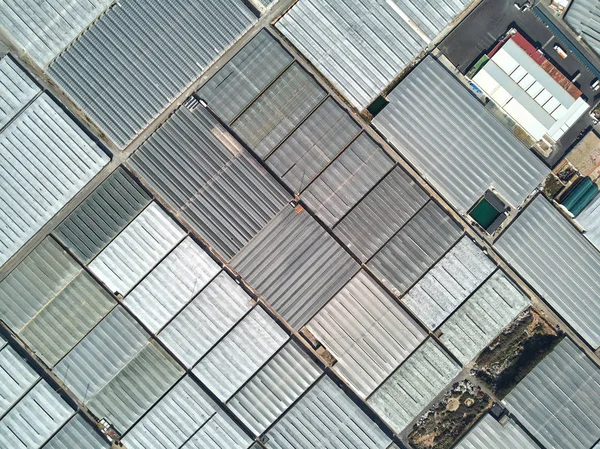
pixel 449 283
pixel 477 322
pixel 45 160
pixel 240 354
pixel 367 332
pixel 326 418
pixel 299 267
pixel 220 432
pixel 17 89
pixel 140 55
pixel 204 173
pixel 275 114
pixel 313 145
pixel 171 285
pixel 34 419
pixel 361 46
pixel 401 398
pixel 490 434
pixel 16 378
pixel 65 320
pixel 136 387
pixel 589 219
pixel 460 147
pixel 584 17
pixel 349 177
pixel 34 282
pixel 274 388
pixel 558 400
pixel 415 248
pixel 381 214
pixel 44 28
pixel 540 244
pixel 245 76
pixel 102 216
pixel 174 419
pixel 77 433
pixel 137 249
pixel 106 350
pixel 202 323
pixel 2 342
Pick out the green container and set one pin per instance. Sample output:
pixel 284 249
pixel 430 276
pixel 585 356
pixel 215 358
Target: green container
pixel 582 195
pixel 484 213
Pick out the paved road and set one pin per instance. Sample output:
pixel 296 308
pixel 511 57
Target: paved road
pixel 264 21
pixel 118 156
pixel 477 34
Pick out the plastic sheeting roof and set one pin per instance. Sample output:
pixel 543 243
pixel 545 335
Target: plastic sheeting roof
pixel 280 108
pixel 449 283
pixel 584 17
pixel 34 418
pixel 269 393
pixel 105 351
pixel 140 55
pixel 295 265
pixel 347 179
pixel 137 249
pixel 415 248
pixel 558 400
pixel 78 432
pixel 379 215
pixel 245 76
pixel 34 282
pixel 490 434
pixel 402 397
pixel 171 285
pixel 313 145
pixel 44 28
pixel 367 332
pixel 589 219
pixel 79 306
pixel 102 216
pixel 136 387
pixel 458 145
pixel 326 417
pixel 240 354
pixel 361 46
pixel 220 432
pixel 541 243
pixel 16 378
pixel 477 322
pixel 17 89
pixel 45 159
pixel 203 322
pixel 210 179
pixel 173 419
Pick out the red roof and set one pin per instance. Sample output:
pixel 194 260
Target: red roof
pixel 539 57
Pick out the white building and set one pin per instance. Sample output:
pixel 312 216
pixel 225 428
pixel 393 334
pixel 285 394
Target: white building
pixel 525 90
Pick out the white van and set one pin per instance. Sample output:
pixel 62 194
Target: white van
pixel 560 51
